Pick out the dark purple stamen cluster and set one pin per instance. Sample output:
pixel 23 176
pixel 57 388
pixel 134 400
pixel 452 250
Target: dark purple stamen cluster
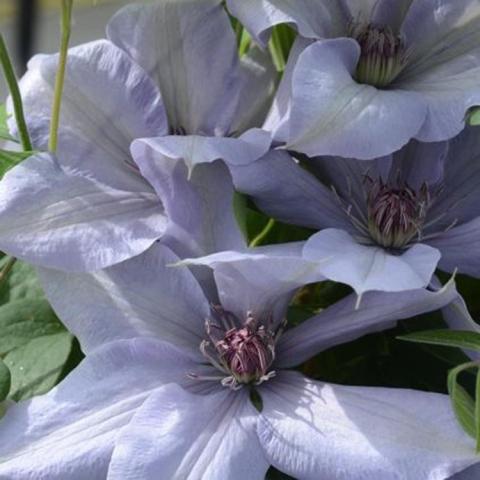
pixel 383 54
pixel 243 352
pixel 248 352
pixel 396 213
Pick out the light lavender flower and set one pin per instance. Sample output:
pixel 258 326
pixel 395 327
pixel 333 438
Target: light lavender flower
pixel 385 224
pixel 164 391
pixel 366 76
pixel 169 70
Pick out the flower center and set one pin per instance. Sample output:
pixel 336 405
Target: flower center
pixel 396 214
pixel 383 54
pixel 244 352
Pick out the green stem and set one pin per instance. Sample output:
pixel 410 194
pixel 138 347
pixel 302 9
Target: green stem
pixel 238 31
pixel 60 78
pixel 258 240
pixel 15 94
pixel 276 51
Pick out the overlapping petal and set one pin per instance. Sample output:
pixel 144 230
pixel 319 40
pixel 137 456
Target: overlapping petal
pixel 71 431
pixel 198 202
pixel 369 267
pixel 190 51
pixel 460 195
pixel 427 100
pixel 140 297
pixel 284 190
pixel 196 149
pixel 460 248
pixel 260 280
pixel 345 321
pixel 107 102
pixel 52 217
pixel 471 473
pixel 440 29
pixel 184 436
pixel 448 91
pixel 256 89
pixel 277 119
pixel 312 430
pixel 332 114
pixel 311 18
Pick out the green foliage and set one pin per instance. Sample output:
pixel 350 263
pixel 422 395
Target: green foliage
pixel 11 81
pixel 38 365
pixel 280 45
pixel 255 223
pixel 448 338
pixel 4 132
pixel 466 408
pixel 462 403
pixel 477 410
pixel 22 321
pixel 34 345
pixel 240 211
pixel 21 283
pixel 474 117
pixel 8 159
pixel 5 381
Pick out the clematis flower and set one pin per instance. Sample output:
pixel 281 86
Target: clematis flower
pixel 169 71
pixel 367 76
pixel 385 224
pixel 166 385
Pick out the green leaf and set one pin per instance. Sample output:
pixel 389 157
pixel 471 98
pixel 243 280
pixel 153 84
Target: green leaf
pixel 477 410
pixel 240 212
pixel 22 282
pixel 24 320
pixel 38 366
pixel 474 117
pixel 298 314
pixel 448 338
pixel 9 159
pixel 463 404
pixel 4 132
pixel 5 381
pixel 37 348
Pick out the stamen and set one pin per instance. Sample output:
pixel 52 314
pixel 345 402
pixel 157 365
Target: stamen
pixel 348 211
pixel 211 358
pixel 205 378
pixel 396 214
pixel 243 354
pixel 383 54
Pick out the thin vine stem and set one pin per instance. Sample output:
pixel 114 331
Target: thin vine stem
pixel 12 84
pixel 258 240
pixel 67 6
